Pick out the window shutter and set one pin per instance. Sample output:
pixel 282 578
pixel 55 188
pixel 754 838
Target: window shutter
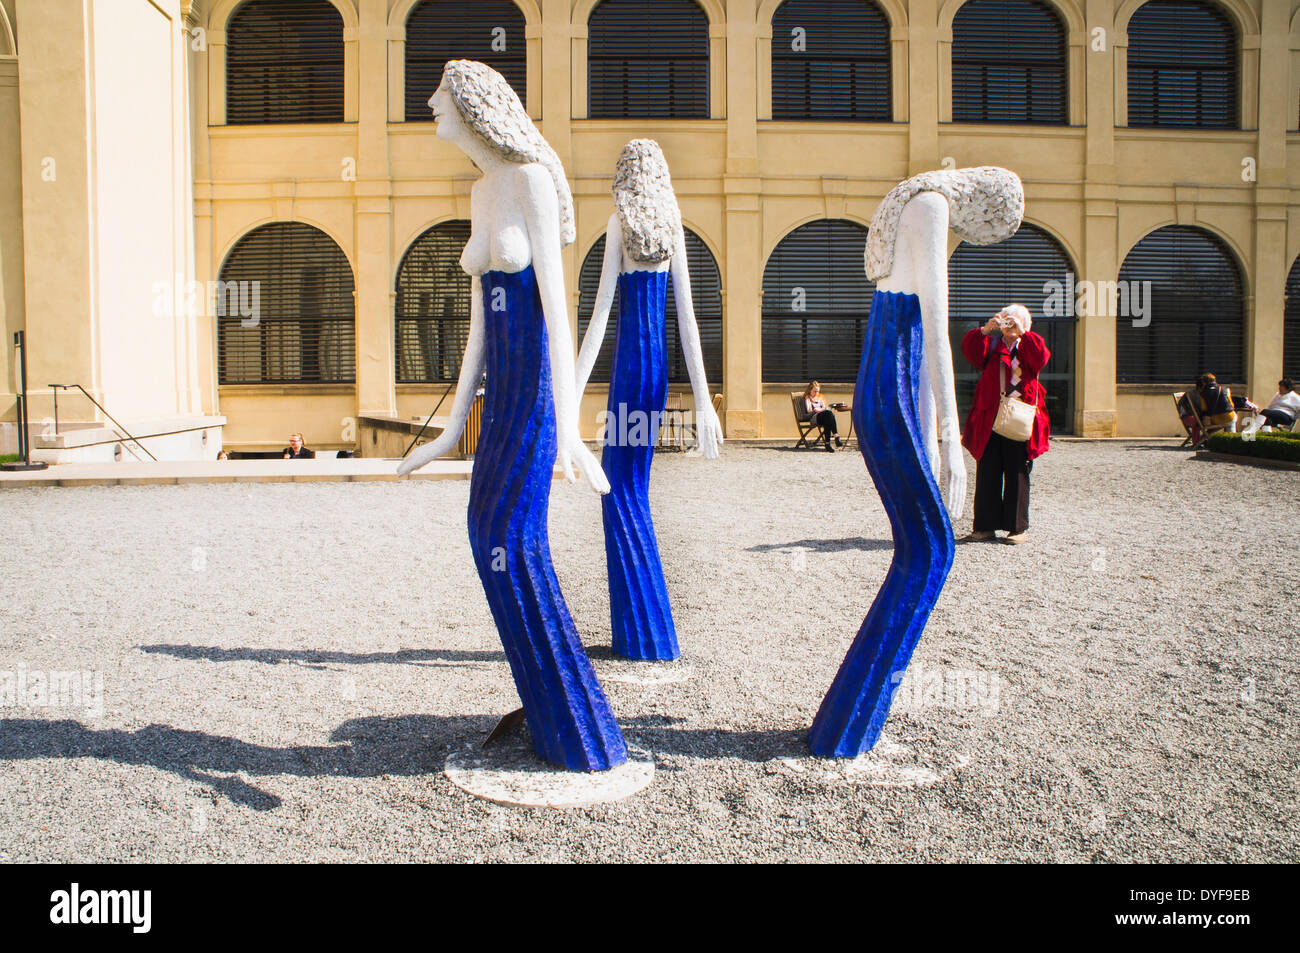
pixel 1182 66
pixel 489 31
pixel 1008 63
pixel 284 63
pixel 648 59
pixel 1291 325
pixel 706 296
pixel 432 306
pixel 830 61
pixel 816 298
pixel 1198 313
pixel 305 332
pixel 983 279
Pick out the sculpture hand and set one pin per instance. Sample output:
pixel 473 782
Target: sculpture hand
pixel 572 451
pixel 708 431
pixel 426 453
pixel 954 493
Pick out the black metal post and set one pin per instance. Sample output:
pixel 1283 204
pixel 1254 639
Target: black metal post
pixel 24 423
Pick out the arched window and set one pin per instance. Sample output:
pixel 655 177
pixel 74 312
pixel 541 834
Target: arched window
pixel 489 31
pixel 830 61
pixel 706 296
pixel 816 298
pixel 432 306
pixel 648 59
pixel 1195 318
pixel 1182 66
pixel 1028 268
pixel 1291 325
pixel 284 62
pixel 1008 63
pixel 302 329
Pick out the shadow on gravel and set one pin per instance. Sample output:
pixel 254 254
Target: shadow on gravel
pixel 366 748
pixel 661 735
pixel 441 658
pixel 1171 447
pixel 825 545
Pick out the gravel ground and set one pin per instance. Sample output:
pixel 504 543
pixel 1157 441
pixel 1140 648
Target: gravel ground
pixel 286 667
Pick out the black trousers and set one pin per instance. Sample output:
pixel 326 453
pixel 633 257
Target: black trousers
pixel 1002 486
pixel 826 420
pixel 1278 418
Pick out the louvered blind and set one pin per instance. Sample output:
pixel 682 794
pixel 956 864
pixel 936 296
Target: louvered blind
pixel 648 59
pixel 489 31
pixel 983 279
pixel 816 298
pixel 830 61
pixel 305 330
pixel 706 295
pixel 432 306
pixel 1291 325
pixel 1008 63
pixel 284 62
pixel 1197 311
pixel 1182 66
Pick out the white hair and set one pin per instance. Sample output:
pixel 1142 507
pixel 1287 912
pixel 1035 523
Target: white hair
pixel 985 205
pixel 492 109
pixel 645 203
pixel 1019 314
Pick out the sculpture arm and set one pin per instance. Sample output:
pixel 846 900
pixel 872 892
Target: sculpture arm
pixel 471 370
pixel 927 233
pixel 595 336
pixel 708 428
pixel 541 210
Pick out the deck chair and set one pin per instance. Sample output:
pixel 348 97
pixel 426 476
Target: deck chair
pixel 805 421
pixel 1189 428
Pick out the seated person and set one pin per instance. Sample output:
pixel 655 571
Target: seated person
pixel 297 450
pixel 1214 402
pixel 817 410
pixel 1188 417
pixel 1284 409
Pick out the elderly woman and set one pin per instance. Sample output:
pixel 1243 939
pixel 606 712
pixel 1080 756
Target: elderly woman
pixel 1011 357
pixel 521 214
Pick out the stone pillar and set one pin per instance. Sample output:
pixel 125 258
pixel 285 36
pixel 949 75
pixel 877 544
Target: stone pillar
pixel 374 281
pixel 1094 386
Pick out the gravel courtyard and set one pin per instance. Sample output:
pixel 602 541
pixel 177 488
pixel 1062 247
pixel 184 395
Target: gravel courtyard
pixel 286 667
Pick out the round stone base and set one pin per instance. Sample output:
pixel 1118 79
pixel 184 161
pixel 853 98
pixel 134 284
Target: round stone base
pixel 888 765
pixel 508 772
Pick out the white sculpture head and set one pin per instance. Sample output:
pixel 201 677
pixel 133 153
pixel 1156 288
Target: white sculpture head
pixel 985 205
pixel 645 202
pixel 475 100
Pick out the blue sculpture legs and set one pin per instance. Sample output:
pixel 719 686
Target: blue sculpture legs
pixel 568 715
pixel 853 712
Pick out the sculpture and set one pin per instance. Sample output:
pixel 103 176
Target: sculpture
pixel 644 246
pixel 905 377
pixel 521 215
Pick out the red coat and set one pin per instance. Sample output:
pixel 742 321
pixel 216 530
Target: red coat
pixel 1034 355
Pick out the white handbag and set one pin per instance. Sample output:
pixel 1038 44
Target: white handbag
pixel 1015 419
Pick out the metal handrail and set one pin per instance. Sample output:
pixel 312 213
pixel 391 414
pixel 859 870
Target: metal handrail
pixel 57 387
pixel 428 419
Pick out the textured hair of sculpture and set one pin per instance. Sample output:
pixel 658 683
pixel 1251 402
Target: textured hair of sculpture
pixel 985 205
pixel 645 203
pixel 492 109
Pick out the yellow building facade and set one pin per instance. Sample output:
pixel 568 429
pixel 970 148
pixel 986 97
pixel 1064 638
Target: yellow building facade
pixel 154 184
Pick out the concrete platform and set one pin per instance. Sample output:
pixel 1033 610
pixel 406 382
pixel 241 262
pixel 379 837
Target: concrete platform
pixel 229 471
